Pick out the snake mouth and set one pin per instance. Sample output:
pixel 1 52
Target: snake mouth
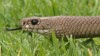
pixel 13 29
pixel 43 31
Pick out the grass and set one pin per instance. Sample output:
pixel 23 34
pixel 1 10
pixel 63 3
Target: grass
pixel 17 43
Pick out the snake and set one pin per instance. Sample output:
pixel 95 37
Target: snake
pixel 77 26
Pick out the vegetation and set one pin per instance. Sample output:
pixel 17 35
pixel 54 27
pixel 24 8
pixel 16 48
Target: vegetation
pixel 17 43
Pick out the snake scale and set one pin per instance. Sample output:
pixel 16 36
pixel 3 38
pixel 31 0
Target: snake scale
pixel 78 26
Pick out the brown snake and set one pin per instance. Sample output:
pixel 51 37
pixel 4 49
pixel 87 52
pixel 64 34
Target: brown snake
pixel 78 26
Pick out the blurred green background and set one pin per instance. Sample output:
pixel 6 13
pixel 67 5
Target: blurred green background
pixel 17 43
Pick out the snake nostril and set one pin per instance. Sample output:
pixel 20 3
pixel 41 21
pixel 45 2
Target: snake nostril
pixel 34 21
pixel 23 23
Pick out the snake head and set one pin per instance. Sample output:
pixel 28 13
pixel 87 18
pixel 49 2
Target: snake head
pixel 36 24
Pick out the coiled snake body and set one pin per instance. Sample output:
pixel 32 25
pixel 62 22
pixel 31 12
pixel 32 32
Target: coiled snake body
pixel 78 26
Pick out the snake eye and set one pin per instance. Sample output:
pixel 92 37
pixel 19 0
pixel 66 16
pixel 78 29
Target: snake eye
pixel 34 21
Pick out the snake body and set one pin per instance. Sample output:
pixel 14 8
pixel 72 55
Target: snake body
pixel 78 26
